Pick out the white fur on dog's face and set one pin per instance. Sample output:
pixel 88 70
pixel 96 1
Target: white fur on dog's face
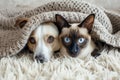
pixel 46 41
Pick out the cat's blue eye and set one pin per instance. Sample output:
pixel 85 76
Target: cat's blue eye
pixel 81 40
pixel 66 39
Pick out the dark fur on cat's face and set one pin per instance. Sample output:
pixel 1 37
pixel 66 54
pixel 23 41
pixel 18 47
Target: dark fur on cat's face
pixel 72 42
pixel 75 38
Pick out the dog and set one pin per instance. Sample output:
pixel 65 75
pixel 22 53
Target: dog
pixel 75 38
pixel 43 41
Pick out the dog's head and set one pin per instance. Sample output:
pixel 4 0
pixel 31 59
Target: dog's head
pixel 43 41
pixel 75 38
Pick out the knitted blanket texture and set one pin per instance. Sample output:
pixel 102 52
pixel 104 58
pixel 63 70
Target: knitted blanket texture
pixel 14 39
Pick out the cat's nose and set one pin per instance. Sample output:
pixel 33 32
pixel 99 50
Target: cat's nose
pixel 75 49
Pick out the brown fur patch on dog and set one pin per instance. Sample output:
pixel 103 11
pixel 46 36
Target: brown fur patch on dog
pixel 30 45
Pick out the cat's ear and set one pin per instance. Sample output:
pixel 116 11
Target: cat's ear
pixel 21 22
pixel 88 22
pixel 61 22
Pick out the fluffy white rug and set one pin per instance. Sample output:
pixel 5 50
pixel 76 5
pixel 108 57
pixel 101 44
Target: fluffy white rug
pixel 22 67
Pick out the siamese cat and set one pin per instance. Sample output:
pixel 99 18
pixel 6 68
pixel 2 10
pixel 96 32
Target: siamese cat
pixel 75 38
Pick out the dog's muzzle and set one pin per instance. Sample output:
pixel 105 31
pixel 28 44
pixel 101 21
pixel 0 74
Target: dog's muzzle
pixel 40 58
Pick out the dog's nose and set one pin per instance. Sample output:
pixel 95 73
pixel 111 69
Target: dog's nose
pixel 40 58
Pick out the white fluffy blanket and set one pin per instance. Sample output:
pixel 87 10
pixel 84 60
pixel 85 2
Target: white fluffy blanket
pixel 105 67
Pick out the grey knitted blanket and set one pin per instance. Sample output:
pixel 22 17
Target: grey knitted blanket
pixel 14 39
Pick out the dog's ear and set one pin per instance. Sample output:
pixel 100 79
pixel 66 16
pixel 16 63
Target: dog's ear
pixel 88 22
pixel 61 22
pixel 21 22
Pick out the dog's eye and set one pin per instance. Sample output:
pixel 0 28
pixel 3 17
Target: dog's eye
pixel 81 40
pixel 66 39
pixel 50 39
pixel 32 40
